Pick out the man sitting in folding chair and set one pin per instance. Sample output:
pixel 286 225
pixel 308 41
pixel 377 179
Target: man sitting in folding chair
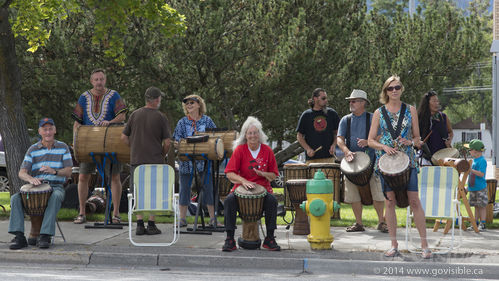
pixel 148 135
pixel 438 192
pixel 47 161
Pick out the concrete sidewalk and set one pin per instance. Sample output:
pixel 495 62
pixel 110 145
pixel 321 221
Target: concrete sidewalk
pixel 94 247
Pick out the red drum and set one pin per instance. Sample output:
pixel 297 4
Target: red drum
pixel 396 174
pixel 293 172
pixel 298 194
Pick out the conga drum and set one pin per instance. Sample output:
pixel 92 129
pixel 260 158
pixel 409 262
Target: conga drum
pixel 228 137
pixel 294 171
pixel 250 210
pixel 448 152
pixel 224 186
pixel 359 172
pixel 331 171
pixel 35 199
pixel 212 149
pixel 97 139
pixel 396 173
pixel 297 194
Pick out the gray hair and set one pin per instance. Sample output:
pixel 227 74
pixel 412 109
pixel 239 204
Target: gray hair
pixel 251 121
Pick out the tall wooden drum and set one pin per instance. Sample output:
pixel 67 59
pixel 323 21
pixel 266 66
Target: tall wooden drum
pixel 298 194
pixel 491 192
pixel 396 174
pixel 294 171
pixel 96 139
pixel 250 210
pixel 224 186
pixel 359 172
pixel 228 138
pixel 213 149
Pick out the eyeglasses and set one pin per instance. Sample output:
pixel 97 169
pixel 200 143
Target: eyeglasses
pixel 389 89
pixel 323 98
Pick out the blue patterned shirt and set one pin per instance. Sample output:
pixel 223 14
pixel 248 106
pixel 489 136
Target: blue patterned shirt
pixel 186 128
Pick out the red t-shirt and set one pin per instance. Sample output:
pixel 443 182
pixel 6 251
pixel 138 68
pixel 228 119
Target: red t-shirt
pixel 242 164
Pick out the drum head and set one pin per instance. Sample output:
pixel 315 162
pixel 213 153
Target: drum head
pixel 393 164
pixel 448 152
pixel 257 192
pixel 219 148
pixel 29 188
pixel 297 182
pixel 295 166
pixel 361 161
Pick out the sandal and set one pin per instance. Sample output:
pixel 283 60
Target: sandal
pixel 80 219
pixel 426 254
pixel 116 219
pixel 355 228
pixel 212 223
pixel 383 227
pixel 182 223
pixel 393 252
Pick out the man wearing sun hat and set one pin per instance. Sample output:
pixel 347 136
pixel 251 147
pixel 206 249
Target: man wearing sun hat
pixel 47 161
pixel 352 139
pixel 477 186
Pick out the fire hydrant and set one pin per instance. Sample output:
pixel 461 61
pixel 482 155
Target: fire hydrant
pixel 319 208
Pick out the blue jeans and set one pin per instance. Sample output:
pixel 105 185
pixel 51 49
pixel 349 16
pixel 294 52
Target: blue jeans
pixel 16 221
pixel 185 190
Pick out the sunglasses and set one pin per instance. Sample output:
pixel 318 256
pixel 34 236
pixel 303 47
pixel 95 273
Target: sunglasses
pixel 190 102
pixel 398 87
pixel 323 98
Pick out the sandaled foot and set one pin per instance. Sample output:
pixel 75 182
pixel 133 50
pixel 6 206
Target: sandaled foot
pixel 393 252
pixel 182 223
pixel 116 219
pixel 426 254
pixel 355 228
pixel 383 227
pixel 80 219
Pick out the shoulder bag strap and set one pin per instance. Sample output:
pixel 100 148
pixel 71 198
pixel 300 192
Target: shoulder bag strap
pixel 394 133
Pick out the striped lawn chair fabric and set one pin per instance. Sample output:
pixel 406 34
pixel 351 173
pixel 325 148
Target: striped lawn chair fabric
pixel 437 187
pixel 154 188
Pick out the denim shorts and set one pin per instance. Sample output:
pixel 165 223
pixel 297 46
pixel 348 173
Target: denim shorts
pixel 411 186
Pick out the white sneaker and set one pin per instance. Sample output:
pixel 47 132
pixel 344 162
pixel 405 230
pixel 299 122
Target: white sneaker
pixel 481 227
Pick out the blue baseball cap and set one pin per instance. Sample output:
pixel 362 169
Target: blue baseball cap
pixel 44 121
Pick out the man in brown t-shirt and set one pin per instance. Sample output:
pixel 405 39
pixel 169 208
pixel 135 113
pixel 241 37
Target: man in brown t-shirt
pixel 148 135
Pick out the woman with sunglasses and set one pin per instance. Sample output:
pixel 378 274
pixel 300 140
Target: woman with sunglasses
pixel 396 136
pixel 195 120
pixel 434 125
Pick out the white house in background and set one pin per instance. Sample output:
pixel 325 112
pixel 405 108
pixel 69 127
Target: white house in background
pixel 466 130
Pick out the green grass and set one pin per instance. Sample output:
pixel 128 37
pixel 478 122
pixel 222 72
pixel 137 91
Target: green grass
pixel 369 216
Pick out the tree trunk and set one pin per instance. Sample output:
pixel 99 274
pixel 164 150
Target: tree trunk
pixel 290 151
pixel 12 124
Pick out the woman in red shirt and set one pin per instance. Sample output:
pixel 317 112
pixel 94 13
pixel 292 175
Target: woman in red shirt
pixel 252 163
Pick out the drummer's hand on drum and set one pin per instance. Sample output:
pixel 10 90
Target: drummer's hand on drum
pixel 349 156
pixel 35 181
pixel 361 143
pixel 248 185
pixel 104 123
pixel 389 150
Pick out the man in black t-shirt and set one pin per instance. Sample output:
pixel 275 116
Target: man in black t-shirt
pixel 317 129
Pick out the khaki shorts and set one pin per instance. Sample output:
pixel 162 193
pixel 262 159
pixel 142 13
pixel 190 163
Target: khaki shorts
pixel 352 190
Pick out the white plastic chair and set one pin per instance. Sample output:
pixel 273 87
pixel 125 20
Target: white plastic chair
pixel 438 194
pixel 154 193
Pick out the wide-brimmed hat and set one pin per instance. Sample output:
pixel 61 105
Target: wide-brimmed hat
pixel 358 94
pixel 475 144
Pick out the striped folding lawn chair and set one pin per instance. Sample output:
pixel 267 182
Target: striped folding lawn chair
pixel 438 194
pixel 154 193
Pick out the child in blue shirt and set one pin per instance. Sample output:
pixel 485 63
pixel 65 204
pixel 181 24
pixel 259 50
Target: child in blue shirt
pixel 476 182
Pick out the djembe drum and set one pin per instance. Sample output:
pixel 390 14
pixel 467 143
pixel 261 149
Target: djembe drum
pixel 359 172
pixel 35 199
pixel 331 171
pixel 448 152
pixel 250 203
pixel 297 194
pixel 396 174
pixel 224 186
pixel 491 192
pixel 293 172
